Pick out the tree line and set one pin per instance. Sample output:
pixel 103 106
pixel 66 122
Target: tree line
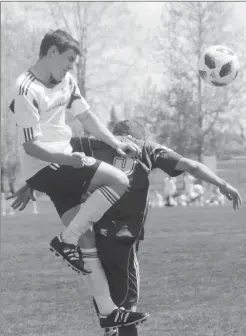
pixel 180 111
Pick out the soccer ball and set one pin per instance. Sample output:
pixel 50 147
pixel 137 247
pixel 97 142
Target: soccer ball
pixel 218 66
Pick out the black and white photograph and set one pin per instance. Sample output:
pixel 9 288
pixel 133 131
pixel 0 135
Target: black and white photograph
pixel 123 168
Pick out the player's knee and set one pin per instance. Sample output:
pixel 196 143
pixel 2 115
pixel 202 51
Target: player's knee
pixel 121 183
pixel 124 181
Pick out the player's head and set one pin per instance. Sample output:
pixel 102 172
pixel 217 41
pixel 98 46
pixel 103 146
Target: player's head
pixel 60 50
pixel 129 127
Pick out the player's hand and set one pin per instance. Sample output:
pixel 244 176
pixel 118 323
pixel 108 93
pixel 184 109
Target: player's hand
pixel 232 195
pixel 128 149
pixel 77 160
pixel 23 196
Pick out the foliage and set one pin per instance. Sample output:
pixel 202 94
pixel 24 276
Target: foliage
pixel 189 29
pixel 113 118
pixel 113 74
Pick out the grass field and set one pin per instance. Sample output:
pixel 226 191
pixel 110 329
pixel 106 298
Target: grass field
pixel 193 271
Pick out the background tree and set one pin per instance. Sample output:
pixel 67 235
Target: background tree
pixel 121 68
pixel 113 118
pixel 186 30
pixel 109 50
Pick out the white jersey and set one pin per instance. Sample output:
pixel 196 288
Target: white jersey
pixel 40 112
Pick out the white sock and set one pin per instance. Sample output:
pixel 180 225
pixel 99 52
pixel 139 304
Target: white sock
pixel 92 210
pixel 97 282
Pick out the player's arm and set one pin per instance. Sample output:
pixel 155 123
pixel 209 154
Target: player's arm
pixel 200 171
pixel 174 164
pixel 95 127
pixel 25 109
pixel 203 173
pixel 39 150
pixel 91 123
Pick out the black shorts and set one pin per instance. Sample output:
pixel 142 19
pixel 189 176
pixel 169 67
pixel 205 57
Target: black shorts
pixel 64 185
pixel 121 267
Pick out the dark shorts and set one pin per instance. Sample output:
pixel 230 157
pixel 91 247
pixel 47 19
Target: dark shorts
pixel 64 185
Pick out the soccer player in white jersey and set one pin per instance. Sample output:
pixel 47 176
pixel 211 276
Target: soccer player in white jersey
pixel 42 96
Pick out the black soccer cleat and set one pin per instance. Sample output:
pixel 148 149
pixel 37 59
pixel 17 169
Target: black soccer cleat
pixel 71 253
pixel 122 318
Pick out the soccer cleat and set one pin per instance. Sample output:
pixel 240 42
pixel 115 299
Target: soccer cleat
pixel 122 318
pixel 111 332
pixel 71 253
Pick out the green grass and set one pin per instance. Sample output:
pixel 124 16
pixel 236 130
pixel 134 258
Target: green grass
pixel 193 271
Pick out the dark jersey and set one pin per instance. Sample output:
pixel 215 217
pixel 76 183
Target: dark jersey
pixel 131 208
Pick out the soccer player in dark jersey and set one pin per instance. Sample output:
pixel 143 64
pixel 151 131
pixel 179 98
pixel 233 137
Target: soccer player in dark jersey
pixel 119 230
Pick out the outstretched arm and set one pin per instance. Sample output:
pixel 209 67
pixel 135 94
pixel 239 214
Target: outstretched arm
pixel 203 173
pixel 174 164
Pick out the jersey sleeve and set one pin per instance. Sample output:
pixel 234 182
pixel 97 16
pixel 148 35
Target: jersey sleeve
pixel 25 109
pixel 164 158
pixel 76 95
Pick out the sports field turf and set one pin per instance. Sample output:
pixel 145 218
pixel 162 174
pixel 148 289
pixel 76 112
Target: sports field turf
pixel 193 276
